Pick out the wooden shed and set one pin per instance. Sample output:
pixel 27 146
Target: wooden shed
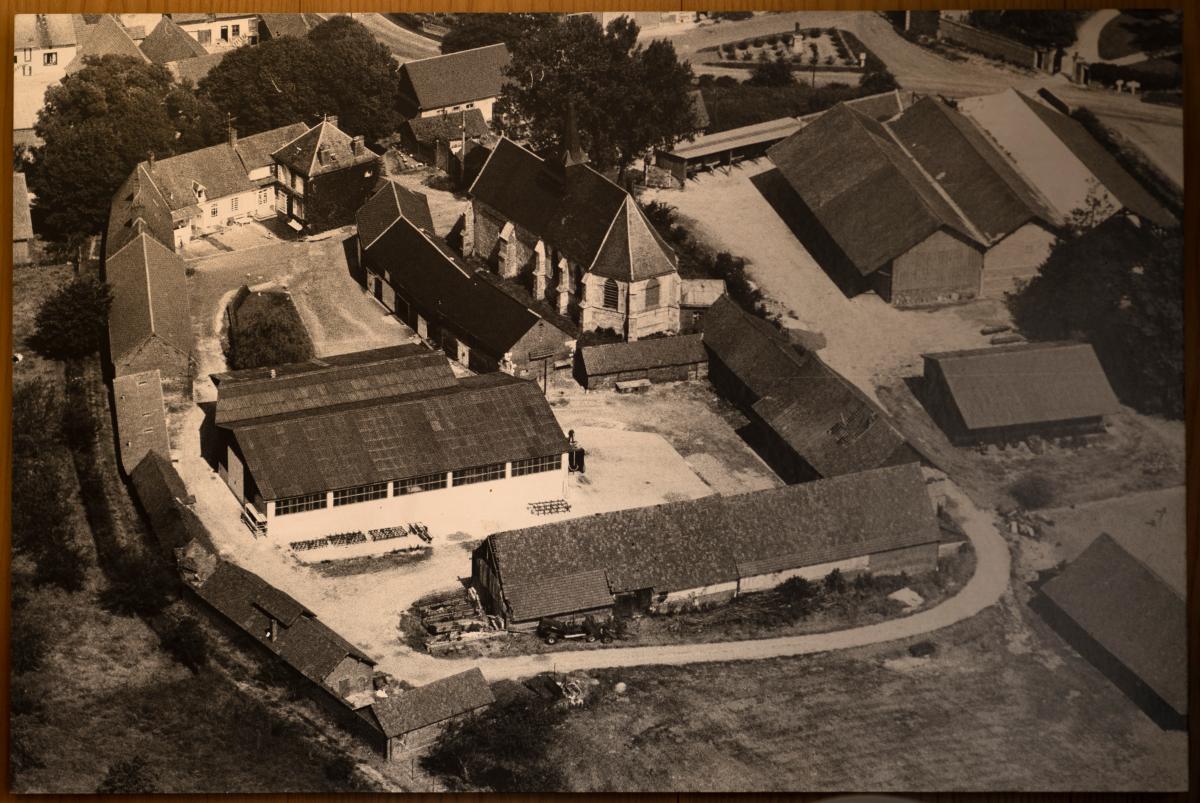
pixel 411 719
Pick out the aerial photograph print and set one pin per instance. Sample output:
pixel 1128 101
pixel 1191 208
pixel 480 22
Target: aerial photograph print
pixel 609 401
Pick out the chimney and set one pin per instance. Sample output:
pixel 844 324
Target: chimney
pixel 573 153
pixel 357 146
pixel 150 161
pixel 331 119
pixel 232 136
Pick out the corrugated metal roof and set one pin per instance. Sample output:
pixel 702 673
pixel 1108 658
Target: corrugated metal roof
pixel 407 711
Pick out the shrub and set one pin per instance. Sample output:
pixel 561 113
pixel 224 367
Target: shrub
pixel 131 777
pixel 758 42
pixel 73 322
pixel 1033 491
pixel 269 334
pixel 788 39
pixel 835 582
pixel 186 642
pixel 742 45
pixel 771 40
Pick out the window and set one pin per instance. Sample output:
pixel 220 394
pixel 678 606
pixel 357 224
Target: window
pixel 467 476
pixel 412 485
pixel 224 33
pixel 213 212
pixel 611 293
pixel 233 204
pixel 299 504
pixel 28 54
pixel 263 197
pixel 237 30
pixel 204 37
pixel 652 293
pixel 26 70
pixel 49 59
pixel 363 493
pixel 536 465
pixel 298 183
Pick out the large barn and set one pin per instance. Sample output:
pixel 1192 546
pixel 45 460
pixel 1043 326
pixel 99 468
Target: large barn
pixel 1008 393
pixel 810 421
pixel 460 81
pixel 709 549
pixel 383 438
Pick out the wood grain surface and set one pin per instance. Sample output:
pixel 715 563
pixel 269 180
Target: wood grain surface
pixel 1192 291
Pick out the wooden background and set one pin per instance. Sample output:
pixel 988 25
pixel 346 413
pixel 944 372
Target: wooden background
pixel 1192 280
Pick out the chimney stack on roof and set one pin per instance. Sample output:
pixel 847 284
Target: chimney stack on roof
pixel 232 136
pixel 357 146
pixel 573 153
pixel 332 120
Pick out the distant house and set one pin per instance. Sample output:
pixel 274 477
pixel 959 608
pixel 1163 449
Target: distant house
pixel 1058 156
pixel 873 219
pixel 168 42
pixel 22 222
pixel 421 136
pixel 413 718
pixel 148 325
pixel 141 417
pixel 473 319
pixel 811 421
pixel 274 26
pixel 1129 622
pixel 219 30
pixel 1012 392
pixel 709 549
pixel 390 432
pixel 108 37
pixel 575 239
pixel 43 46
pixel 658 359
pixel 468 79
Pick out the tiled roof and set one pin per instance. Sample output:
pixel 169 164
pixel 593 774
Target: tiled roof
pixel 556 596
pixel 138 198
pixel 289 24
pixel 191 17
pixel 822 417
pixel 428 130
pixel 1130 612
pixel 43 31
pixel 168 42
pixel 683 545
pixel 322 149
pixel 255 150
pixel 149 290
pixel 165 500
pixel 406 711
pixel 141 417
pixel 106 38
pixel 193 69
pixel 456 77
pixel 699 110
pixel 436 279
pixel 216 169
pixel 970 168
pixel 1026 383
pixel 22 223
pixel 375 374
pixel 484 419
pixel 575 209
pixel 388 204
pixel 640 355
pixel 865 191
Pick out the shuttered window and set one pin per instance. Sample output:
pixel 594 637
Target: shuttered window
pixel 611 294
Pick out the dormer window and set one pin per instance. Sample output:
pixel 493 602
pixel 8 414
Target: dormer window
pixel 199 191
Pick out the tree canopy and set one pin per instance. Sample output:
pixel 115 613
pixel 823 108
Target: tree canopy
pixel 338 68
pixel 1037 28
pixel 478 30
pixel 97 124
pixel 74 321
pixel 626 98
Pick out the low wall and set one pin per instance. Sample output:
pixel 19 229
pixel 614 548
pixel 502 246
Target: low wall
pixel 988 43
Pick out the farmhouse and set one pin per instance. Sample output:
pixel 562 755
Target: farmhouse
pixel 379 439
pixel 575 239
pixel 658 359
pixel 22 229
pixel 219 31
pixel 149 325
pixel 1012 392
pixel 468 79
pixel 141 417
pixel 709 549
pixel 411 719
pixel 872 217
pixel 322 177
pixel 1012 219
pixel 811 421
pixel 472 318
pixel 1129 622
pixel 43 46
pixel 1058 156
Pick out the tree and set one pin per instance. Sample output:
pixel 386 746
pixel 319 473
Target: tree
pixel 96 125
pixel 338 68
pixel 478 30
pixel 274 336
pixel 1038 28
pixel 185 640
pixel 771 72
pixel 73 322
pixel 626 99
pixel 130 777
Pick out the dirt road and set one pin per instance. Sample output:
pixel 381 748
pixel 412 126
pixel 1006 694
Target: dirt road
pixel 405 45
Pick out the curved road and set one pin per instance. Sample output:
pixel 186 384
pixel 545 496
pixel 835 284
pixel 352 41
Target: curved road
pixel 984 589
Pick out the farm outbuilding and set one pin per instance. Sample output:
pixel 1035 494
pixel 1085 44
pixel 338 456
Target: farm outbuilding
pixel 410 719
pixel 709 549
pixel 141 417
pixel 1009 393
pixel 658 359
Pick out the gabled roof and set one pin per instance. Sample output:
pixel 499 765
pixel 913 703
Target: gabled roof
pixel 375 374
pixel 192 17
pixel 436 279
pixel 428 130
pixel 555 596
pixel 641 355
pixel 484 419
pixel 864 190
pixel 165 500
pixel 456 78
pixel 717 539
pixel 289 24
pixel 407 711
pixel 1131 612
pixel 822 417
pixel 22 222
pixel 149 290
pixel 386 206
pixel 141 417
pixel 970 168
pixel 575 209
pixel 107 37
pixel 43 31
pixel 194 69
pixel 217 169
pixel 1026 383
pixel 255 150
pixel 138 199
pixel 324 148
pixel 168 42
